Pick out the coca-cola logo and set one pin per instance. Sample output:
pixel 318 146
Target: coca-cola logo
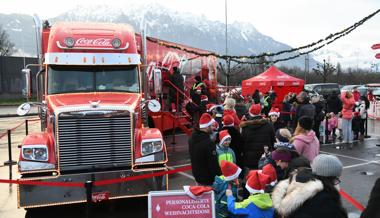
pixel 100 196
pixel 99 42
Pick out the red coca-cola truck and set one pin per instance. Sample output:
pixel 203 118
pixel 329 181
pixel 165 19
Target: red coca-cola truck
pixel 94 87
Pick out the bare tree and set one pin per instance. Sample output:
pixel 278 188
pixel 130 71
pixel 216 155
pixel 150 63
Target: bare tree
pixel 325 70
pixel 6 46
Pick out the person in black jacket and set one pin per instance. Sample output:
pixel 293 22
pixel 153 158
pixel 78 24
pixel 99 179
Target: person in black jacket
pixel 334 104
pixel 313 194
pixel 372 209
pixel 304 107
pixel 202 151
pixel 177 80
pixel 319 114
pixel 257 132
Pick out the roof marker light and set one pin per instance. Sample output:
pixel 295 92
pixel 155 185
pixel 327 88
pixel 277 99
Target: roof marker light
pixel 116 43
pixel 69 42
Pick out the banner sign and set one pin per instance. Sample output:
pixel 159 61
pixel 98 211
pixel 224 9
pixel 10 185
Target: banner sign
pixel 177 204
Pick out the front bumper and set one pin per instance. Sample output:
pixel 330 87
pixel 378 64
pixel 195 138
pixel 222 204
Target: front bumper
pixel 30 196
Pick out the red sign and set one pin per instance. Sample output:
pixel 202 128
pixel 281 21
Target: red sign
pixel 163 204
pixel 100 196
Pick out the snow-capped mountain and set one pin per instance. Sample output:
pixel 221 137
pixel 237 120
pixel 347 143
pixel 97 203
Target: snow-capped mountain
pixel 353 57
pixel 185 28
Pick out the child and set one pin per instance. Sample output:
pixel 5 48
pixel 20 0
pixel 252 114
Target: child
pixel 258 204
pixel 229 181
pixel 224 152
pixel 332 125
pixel 356 125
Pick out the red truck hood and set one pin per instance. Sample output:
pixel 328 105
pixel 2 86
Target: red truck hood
pixel 105 98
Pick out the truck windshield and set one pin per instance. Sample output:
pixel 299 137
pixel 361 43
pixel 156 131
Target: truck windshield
pixel 68 79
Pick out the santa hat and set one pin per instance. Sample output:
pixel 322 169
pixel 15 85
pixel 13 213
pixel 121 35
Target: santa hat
pixel 215 125
pixel 271 172
pixel 255 110
pixel 256 182
pixel 205 121
pixel 210 107
pixel 196 191
pixel 230 170
pixel 204 98
pixel 228 120
pixel 274 111
pixel 199 88
pixel 223 136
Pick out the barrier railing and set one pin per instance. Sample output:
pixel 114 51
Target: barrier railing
pixel 10 162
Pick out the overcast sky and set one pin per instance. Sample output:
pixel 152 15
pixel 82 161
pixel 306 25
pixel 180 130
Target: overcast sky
pixel 295 22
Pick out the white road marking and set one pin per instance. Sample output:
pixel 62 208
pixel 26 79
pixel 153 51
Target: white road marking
pixel 182 173
pixel 357 165
pixel 341 155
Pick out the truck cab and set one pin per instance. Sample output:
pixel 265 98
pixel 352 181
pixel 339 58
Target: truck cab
pixel 91 104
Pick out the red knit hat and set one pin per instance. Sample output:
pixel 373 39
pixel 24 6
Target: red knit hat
pixel 274 111
pixel 230 170
pixel 255 110
pixel 271 172
pixel 210 107
pixel 205 121
pixel 196 191
pixel 256 182
pixel 223 136
pixel 204 98
pixel 228 120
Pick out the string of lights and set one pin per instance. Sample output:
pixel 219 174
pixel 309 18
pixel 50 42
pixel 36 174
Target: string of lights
pixel 314 46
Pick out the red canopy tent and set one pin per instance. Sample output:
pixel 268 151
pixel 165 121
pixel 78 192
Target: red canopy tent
pixel 274 79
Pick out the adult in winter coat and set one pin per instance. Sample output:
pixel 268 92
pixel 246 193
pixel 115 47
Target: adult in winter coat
pixel 334 104
pixel 304 107
pixel 319 114
pixel 311 194
pixel 372 209
pixel 256 97
pixel 236 139
pixel 257 132
pixel 347 114
pixel 304 140
pixel 177 79
pixel 202 152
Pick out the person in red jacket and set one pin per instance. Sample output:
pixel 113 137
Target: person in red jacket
pixel 347 114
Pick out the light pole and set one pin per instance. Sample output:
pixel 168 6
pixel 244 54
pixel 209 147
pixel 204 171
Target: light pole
pixel 228 60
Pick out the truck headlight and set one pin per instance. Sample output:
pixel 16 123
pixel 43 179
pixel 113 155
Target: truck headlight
pixel 35 152
pixel 150 146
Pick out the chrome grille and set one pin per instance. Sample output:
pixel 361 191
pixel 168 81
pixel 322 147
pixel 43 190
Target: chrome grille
pixel 94 142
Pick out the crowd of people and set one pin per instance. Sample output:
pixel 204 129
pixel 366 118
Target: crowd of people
pixel 273 156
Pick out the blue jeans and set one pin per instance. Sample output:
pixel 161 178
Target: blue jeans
pixel 347 130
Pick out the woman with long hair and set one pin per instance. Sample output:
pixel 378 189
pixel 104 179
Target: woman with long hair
pixel 312 194
pixel 304 140
pixel 347 114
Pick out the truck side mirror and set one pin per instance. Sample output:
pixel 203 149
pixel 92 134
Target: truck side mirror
pixel 23 109
pixel 27 88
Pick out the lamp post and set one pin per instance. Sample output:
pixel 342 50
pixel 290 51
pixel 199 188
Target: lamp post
pixel 228 60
